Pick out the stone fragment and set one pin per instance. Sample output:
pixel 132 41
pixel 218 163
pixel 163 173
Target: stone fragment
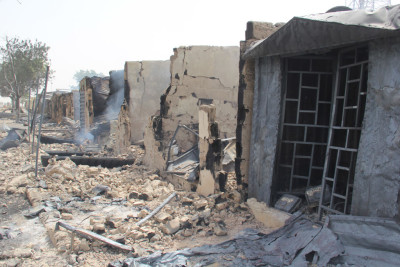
pixel 18 181
pixel 113 222
pixel 100 189
pixel 97 220
pixel 270 217
pixel 143 213
pixel 220 230
pixel 243 206
pixel 135 234
pixel 171 227
pixel 84 245
pixel 187 232
pixel 35 196
pixel 200 204
pixel 72 259
pixel 221 206
pixel 66 216
pixel 205 214
pixel 118 238
pixel 138 203
pixel 162 217
pixel 186 201
pixel 99 228
pixel 155 238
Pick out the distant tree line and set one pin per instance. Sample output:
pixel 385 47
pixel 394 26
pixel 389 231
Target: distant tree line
pixel 22 66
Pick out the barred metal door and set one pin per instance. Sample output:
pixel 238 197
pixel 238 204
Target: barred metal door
pixel 345 130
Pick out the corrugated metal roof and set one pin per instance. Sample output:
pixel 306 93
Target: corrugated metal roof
pixel 328 30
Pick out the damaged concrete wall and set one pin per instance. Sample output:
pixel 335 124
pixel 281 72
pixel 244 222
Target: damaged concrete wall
pixel 254 31
pixel 145 81
pixel 199 75
pixel 377 178
pixel 265 127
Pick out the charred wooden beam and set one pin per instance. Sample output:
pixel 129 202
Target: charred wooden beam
pixel 68 153
pixel 54 140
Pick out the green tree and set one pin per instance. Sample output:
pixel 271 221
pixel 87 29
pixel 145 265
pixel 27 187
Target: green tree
pixel 22 66
pixel 79 75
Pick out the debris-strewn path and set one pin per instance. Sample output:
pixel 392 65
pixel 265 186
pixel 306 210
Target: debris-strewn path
pixel 106 201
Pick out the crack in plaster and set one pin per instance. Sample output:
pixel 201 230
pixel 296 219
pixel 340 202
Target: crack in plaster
pixel 211 78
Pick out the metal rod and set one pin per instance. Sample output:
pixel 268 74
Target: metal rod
pixel 89 234
pixel 41 121
pixel 34 115
pixel 29 115
pixel 156 210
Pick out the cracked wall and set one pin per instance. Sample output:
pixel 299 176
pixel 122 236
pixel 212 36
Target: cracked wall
pixel 145 81
pixel 199 75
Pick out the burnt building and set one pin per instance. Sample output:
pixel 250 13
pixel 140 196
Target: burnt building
pixel 319 104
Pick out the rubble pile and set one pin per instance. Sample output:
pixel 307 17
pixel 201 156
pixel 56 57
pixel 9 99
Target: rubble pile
pixel 111 202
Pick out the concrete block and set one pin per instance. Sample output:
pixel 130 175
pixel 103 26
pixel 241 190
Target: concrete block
pixel 270 217
pixel 172 227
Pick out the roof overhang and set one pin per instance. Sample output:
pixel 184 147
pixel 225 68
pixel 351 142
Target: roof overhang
pixel 311 33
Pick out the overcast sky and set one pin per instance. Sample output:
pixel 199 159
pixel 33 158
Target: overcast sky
pixel 102 35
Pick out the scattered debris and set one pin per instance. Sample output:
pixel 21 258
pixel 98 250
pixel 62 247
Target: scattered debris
pixel 91 161
pixel 251 248
pixel 313 195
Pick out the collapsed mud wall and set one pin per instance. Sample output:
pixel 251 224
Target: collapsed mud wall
pixel 123 133
pixel 86 104
pixel 199 75
pixel 255 31
pixel 61 105
pixel 145 81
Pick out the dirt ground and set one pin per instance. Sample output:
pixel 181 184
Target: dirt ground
pixel 108 201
